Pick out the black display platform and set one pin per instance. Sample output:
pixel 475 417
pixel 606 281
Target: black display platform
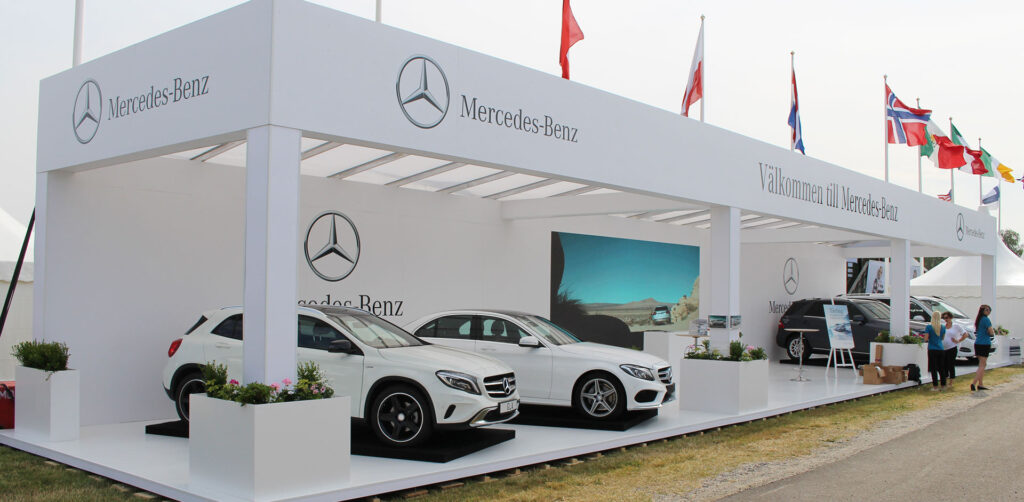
pixel 443 446
pixel 176 429
pixel 561 416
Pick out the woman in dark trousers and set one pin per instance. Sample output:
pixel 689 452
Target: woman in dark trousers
pixel 983 333
pixel 951 343
pixel 936 354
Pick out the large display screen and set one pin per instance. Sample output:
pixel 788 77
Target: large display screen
pixel 611 290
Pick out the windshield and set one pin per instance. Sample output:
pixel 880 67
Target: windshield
pixel 943 307
pixel 374 331
pixel 875 310
pixel 549 331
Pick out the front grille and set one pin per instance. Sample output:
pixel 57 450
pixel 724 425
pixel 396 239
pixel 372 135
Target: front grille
pixel 495 385
pixel 665 374
pixel 495 416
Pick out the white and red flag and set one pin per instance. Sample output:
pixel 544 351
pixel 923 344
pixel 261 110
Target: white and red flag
pixel 695 86
pixel 906 125
pixel 571 33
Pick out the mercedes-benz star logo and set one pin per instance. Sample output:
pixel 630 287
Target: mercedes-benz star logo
pixel 85 117
pixel 506 385
pixel 791 276
pixel 960 226
pixel 336 257
pixel 425 105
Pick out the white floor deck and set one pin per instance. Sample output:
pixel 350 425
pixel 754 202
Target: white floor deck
pixel 160 464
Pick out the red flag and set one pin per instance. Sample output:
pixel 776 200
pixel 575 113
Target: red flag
pixel 695 86
pixel 954 156
pixel 571 33
pixel 974 157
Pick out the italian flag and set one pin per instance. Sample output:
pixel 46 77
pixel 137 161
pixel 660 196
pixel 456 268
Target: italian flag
pixel 946 153
pixel 993 165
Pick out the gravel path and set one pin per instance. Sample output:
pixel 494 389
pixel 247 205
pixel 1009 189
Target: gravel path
pixel 758 474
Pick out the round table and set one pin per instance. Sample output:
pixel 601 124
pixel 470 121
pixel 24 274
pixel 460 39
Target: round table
pixel 800 375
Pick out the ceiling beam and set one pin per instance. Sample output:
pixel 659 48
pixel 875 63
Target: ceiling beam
pixel 425 174
pixel 612 203
pixel 479 181
pixel 217 150
pixel 366 166
pixel 525 188
pixel 321 148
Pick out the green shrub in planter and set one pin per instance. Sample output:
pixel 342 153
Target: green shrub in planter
pixel 311 385
pixel 883 337
pixel 42 355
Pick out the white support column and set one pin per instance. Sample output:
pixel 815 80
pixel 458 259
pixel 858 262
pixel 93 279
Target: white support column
pixel 725 273
pixel 271 253
pixel 899 279
pixel 39 256
pixel 988 281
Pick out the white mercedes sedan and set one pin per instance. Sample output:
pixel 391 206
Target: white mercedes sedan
pixel 552 366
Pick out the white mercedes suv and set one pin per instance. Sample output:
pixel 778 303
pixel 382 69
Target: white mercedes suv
pixel 403 387
pixel 553 366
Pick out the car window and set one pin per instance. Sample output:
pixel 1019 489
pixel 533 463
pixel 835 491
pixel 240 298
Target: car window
pixel 874 310
pixel 316 334
pixel 499 330
pixel 917 310
pixel 549 331
pixel 455 327
pixel 816 309
pixel 941 306
pixel 374 331
pixel 230 327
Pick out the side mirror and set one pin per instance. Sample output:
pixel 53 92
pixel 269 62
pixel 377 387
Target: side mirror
pixel 340 347
pixel 918 318
pixel 858 319
pixel 529 341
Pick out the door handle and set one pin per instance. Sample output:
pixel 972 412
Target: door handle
pixel 222 346
pixel 485 349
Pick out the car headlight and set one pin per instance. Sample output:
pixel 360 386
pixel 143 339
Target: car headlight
pixel 637 371
pixel 459 381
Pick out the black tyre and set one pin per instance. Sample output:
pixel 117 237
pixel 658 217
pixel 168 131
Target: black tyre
pixel 795 350
pixel 191 383
pixel 401 416
pixel 600 396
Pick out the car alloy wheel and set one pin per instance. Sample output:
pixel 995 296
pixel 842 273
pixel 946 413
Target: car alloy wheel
pixel 401 417
pixel 598 397
pixel 193 383
pixel 796 349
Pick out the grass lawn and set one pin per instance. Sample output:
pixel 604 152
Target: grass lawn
pixel 673 467
pixel 677 466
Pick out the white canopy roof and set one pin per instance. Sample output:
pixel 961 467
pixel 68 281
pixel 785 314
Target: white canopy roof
pixel 966 270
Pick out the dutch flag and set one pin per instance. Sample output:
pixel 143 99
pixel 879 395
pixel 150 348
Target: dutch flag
pixel 797 138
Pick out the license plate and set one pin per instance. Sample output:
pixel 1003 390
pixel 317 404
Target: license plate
pixel 508 406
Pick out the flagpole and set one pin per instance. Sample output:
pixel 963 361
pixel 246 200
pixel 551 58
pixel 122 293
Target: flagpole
pixel 885 123
pixel 76 56
pixel 792 131
pixel 919 182
pixel 980 196
pixel 952 197
pixel 704 71
pixel 377 17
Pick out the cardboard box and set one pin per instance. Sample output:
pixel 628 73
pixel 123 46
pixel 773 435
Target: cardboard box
pixel 878 354
pixel 873 374
pixel 894 374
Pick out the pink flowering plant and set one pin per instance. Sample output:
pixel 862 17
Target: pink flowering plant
pixel 311 384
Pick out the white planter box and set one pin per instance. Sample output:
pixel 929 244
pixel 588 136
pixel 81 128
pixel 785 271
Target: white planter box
pixel 48 404
pixel 902 354
pixel 1002 350
pixel 729 387
pixel 268 451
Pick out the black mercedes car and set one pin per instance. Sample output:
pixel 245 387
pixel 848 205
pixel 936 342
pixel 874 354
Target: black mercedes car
pixel 867 318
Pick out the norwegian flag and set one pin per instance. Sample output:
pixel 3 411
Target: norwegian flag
pixel 906 125
pixel 948 197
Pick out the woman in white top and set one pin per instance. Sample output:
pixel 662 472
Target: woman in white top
pixel 955 334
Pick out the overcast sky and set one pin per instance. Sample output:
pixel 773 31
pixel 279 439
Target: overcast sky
pixel 962 59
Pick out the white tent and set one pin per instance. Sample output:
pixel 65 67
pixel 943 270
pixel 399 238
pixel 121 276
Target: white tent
pixel 12 234
pixel 957 280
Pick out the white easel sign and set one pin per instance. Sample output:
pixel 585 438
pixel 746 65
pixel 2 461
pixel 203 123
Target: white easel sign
pixel 840 333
